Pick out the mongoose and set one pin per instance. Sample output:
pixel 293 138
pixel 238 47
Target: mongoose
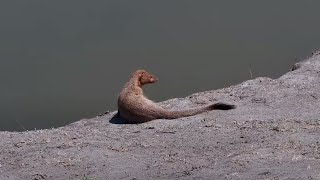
pixel 134 107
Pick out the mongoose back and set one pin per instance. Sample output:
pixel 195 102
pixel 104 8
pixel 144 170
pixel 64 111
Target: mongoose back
pixel 136 108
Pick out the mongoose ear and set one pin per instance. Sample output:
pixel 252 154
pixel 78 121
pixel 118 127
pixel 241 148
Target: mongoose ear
pixel 141 74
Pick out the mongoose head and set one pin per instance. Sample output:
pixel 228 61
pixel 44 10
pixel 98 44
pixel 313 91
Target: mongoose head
pixel 145 77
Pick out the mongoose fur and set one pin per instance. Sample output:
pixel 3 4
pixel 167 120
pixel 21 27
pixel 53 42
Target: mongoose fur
pixel 134 107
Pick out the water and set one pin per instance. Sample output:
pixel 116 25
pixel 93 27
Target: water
pixel 61 61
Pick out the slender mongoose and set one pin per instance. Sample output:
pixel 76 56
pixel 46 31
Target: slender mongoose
pixel 134 107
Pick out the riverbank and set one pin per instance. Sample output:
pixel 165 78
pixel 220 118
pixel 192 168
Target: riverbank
pixel 273 134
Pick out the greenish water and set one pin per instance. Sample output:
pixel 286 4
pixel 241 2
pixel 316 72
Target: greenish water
pixel 61 61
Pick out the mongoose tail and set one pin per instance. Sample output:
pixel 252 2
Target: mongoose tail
pixel 221 106
pixel 195 111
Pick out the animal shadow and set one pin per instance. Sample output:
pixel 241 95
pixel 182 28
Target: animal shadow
pixel 117 120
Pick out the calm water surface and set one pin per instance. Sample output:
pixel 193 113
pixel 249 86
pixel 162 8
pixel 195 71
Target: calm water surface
pixel 61 61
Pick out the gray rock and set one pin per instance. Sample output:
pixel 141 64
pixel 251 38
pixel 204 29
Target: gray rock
pixel 273 134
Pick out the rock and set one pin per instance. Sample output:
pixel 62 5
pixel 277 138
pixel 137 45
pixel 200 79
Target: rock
pixel 273 133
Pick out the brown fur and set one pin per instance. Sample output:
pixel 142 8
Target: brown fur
pixel 136 108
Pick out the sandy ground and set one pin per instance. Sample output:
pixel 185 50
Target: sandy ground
pixel 273 134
